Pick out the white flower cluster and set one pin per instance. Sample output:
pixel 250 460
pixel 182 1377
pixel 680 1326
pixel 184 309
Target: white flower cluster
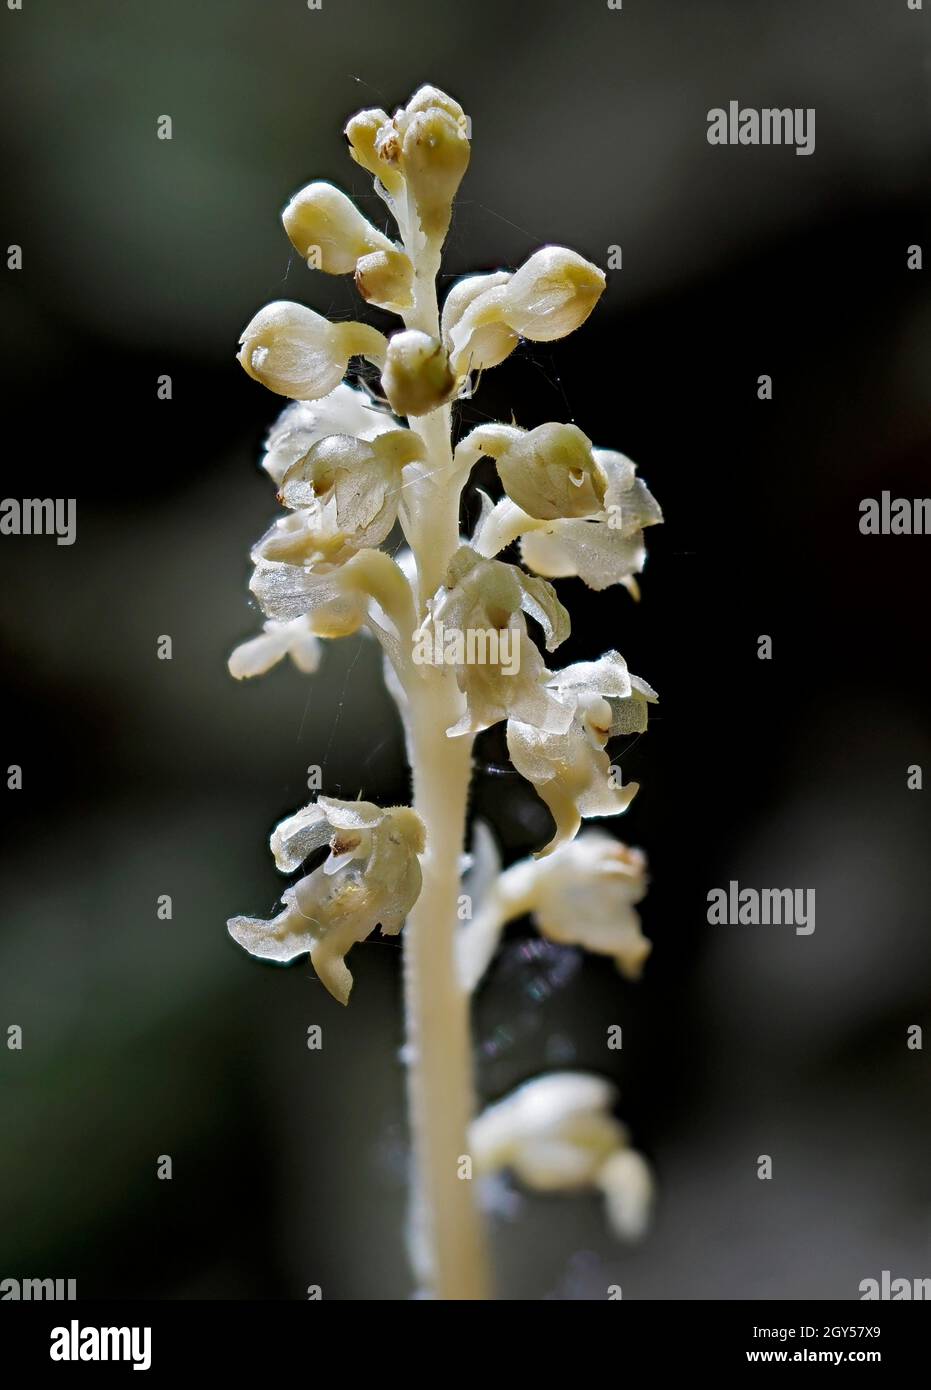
pixel 348 471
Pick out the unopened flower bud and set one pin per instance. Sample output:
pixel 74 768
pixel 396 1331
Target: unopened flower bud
pixel 428 98
pixel 362 134
pixel 434 157
pixel 385 278
pixel 298 353
pixel 552 294
pixel 489 344
pixel 551 472
pixel 417 377
pixel 329 231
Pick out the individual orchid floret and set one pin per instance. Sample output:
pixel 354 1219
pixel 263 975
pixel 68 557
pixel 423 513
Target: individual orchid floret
pixel 371 879
pixel 583 894
pixel 586 895
pixel 385 279
pixel 416 377
pixel 551 472
pixel 344 496
pixel 347 491
pixel 362 133
pixel 298 353
pixel 296 639
pixel 304 423
pixel 488 344
pixel 367 589
pixel 570 769
pixel 426 142
pixel 551 295
pixel 329 231
pixel 578 511
pixel 548 472
pixel 601 550
pixel 476 623
pixel 557 1134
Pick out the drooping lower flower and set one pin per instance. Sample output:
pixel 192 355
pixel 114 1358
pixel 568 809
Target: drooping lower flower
pixel 583 894
pixel 557 1134
pixel 371 879
pixel 569 768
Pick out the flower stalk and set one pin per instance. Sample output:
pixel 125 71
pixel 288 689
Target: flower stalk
pixel 347 471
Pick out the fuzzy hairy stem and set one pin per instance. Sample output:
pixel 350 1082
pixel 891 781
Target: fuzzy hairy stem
pixel 450 1236
pixel 450 1245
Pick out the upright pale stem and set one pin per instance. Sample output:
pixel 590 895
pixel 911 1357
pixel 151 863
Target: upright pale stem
pixel 450 1251
pixel 450 1240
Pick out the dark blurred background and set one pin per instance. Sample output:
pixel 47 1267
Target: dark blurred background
pixel 142 777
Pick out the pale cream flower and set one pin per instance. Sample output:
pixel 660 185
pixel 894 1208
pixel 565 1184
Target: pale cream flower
pixel 298 353
pixel 570 769
pixel 324 225
pixel 330 232
pixel 368 588
pixel 578 511
pixel 548 472
pixel 488 344
pixel 586 893
pixel 490 596
pixel 551 295
pixel 603 549
pixel 371 878
pixel 304 423
pixel 386 279
pixel 416 377
pixel 583 894
pixel 557 1134
pixel 346 492
pixel 362 133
